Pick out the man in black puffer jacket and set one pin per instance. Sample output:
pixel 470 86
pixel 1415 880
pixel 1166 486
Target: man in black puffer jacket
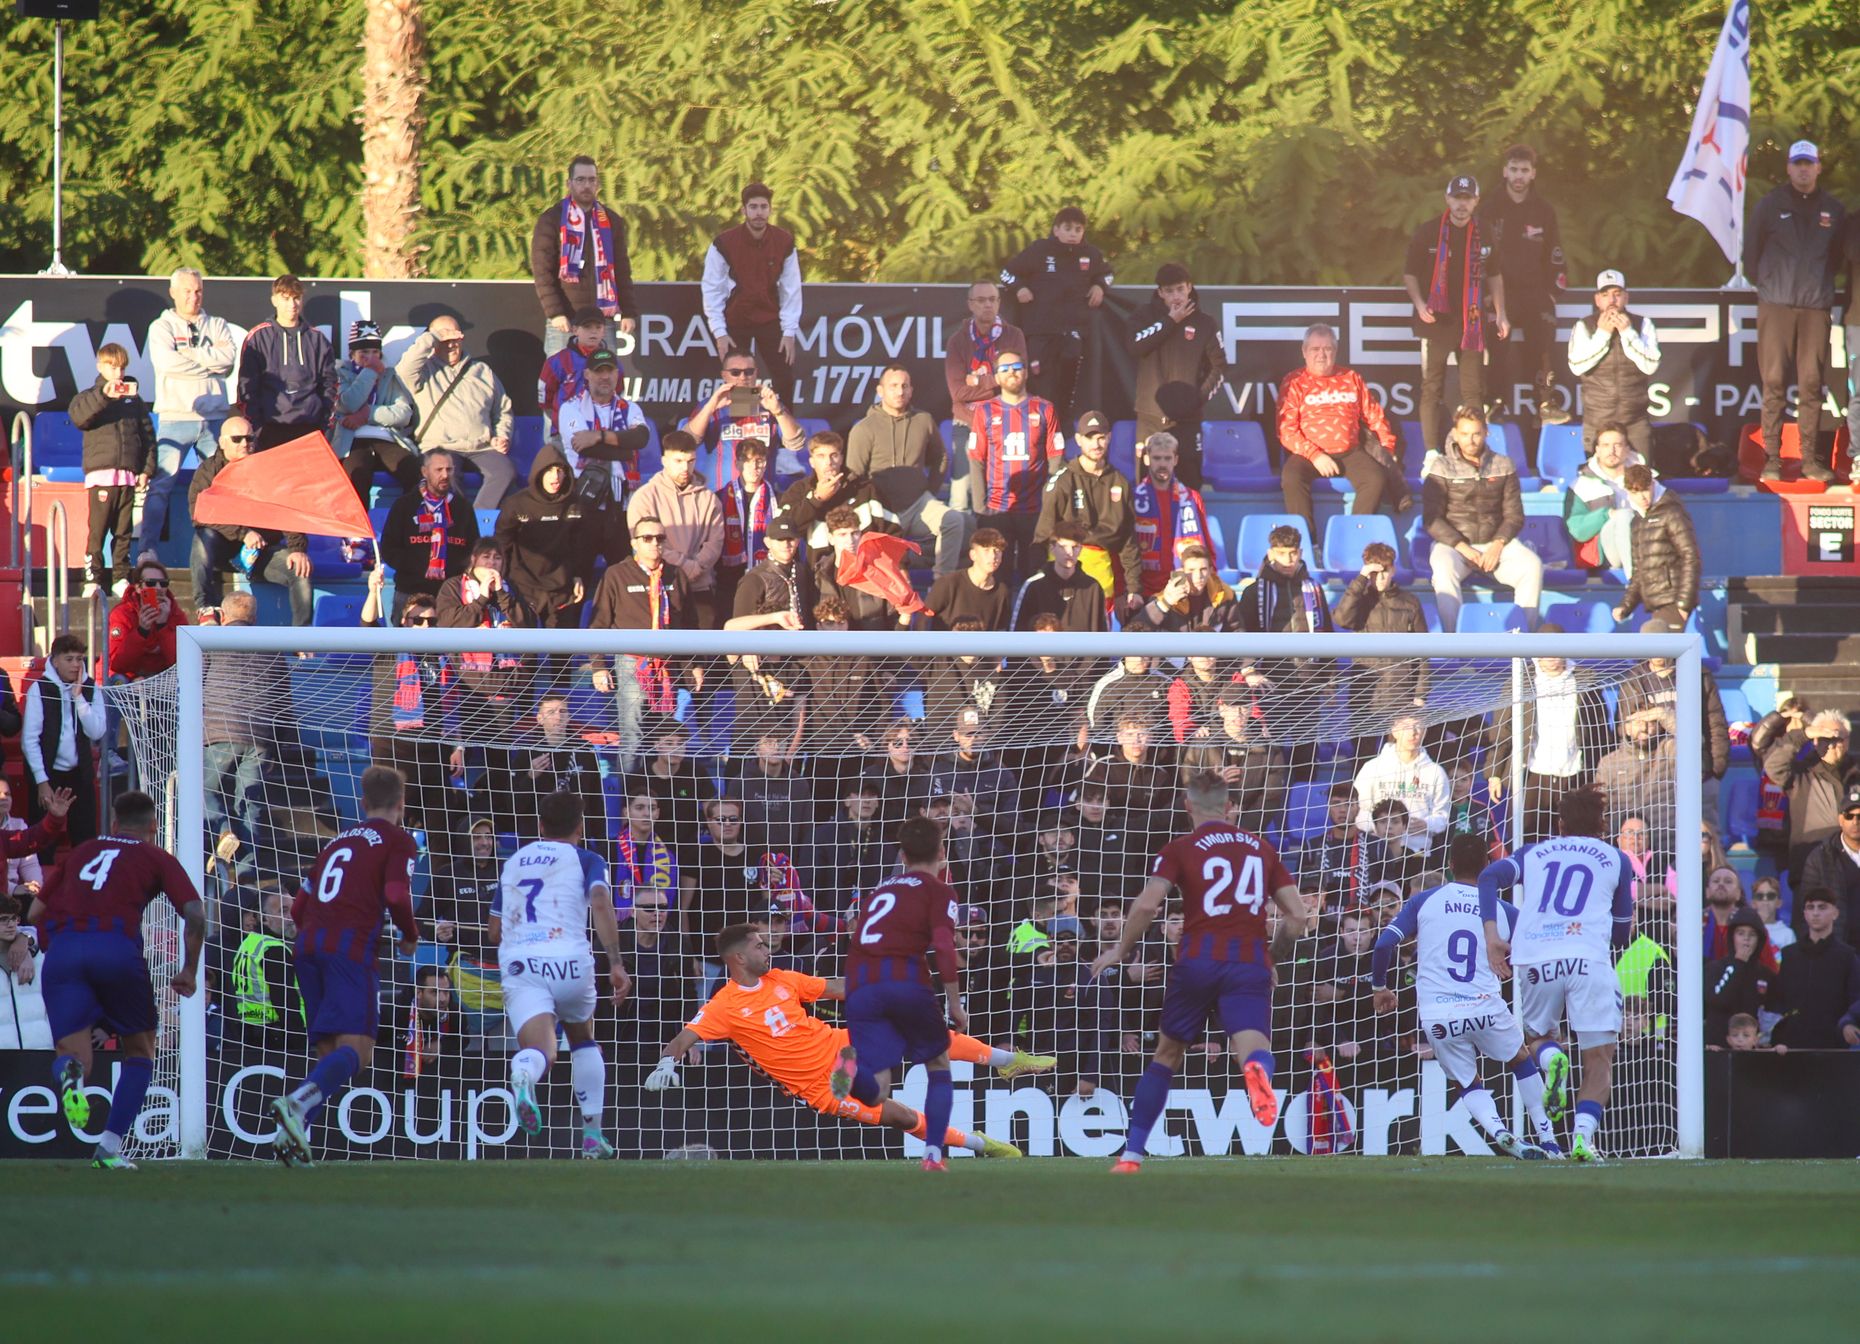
pixel 1473 508
pixel 119 455
pixel 551 534
pixel 1665 551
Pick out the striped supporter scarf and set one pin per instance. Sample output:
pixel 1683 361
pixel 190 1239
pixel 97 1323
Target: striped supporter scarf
pixel 1472 319
pixel 434 519
pixel 574 225
pixel 410 691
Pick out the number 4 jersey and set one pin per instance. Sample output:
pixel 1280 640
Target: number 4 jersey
pixel 104 885
pixel 1226 877
pixel 1576 899
pixel 366 872
pixel 1452 977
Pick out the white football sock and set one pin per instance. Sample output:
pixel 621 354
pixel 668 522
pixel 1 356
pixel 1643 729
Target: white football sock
pixel 588 1072
pixel 1587 1122
pixel 530 1065
pixel 1479 1106
pixel 973 1142
pixel 1531 1088
pixel 999 1058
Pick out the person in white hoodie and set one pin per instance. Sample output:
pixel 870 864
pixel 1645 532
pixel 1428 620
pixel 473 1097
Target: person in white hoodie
pixel 193 353
pixel 23 1021
pixel 1403 770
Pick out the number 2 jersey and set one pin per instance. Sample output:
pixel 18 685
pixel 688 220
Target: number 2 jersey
pixel 900 921
pixel 1451 974
pixel 1576 899
pixel 1226 877
pixel 544 894
pixel 104 885
pixel 359 878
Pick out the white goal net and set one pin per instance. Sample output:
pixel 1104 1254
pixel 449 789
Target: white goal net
pixel 761 777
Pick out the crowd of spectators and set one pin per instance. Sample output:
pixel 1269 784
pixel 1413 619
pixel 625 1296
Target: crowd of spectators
pixel 768 788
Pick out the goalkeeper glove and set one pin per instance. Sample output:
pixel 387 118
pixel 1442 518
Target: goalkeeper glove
pixel 666 1075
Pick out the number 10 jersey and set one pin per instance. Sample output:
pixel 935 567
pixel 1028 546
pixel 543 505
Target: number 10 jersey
pixel 1576 891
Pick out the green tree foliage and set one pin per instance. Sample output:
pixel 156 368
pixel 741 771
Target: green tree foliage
pixel 1279 141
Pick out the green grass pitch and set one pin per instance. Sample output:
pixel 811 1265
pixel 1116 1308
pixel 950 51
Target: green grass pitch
pixel 1288 1249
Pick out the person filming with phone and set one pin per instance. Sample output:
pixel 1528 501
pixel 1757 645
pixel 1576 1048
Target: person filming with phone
pixel 119 457
pixel 142 625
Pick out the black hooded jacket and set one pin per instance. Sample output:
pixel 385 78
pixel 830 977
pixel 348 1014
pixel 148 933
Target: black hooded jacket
pixel 1733 986
pixel 552 539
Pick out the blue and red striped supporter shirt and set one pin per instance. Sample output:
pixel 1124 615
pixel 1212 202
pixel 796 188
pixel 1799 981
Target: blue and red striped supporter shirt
pixel 366 872
pixel 898 923
pixel 105 884
pixel 1015 445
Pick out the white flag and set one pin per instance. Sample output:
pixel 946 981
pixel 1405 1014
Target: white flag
pixel 1709 185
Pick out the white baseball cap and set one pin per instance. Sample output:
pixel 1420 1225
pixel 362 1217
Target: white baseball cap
pixel 1610 280
pixel 1804 149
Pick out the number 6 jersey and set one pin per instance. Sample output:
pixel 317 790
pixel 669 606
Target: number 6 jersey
pixel 1227 877
pixel 364 873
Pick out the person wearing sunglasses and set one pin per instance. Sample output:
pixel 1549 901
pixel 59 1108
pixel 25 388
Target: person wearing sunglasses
pixel 142 625
pixel 643 592
pixel 1014 442
pixel 262 555
pixel 1834 866
pixel 1804 752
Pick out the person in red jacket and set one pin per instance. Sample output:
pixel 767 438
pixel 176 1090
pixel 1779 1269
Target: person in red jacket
pixel 1330 424
pixel 142 625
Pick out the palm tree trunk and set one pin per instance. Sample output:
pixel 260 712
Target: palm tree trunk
pixel 393 86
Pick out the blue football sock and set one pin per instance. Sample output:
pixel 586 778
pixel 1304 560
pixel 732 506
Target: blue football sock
pixel 1146 1108
pixel 132 1084
pixel 939 1097
pixel 1526 1067
pixel 58 1068
pixel 329 1077
pixel 1263 1058
pixel 865 1087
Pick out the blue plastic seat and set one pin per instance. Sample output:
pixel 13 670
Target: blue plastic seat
pixel 1736 705
pixel 1255 535
pixel 1738 800
pixel 1559 454
pixel 1347 534
pixel 526 440
pixel 1234 457
pixel 1217 540
pixel 1123 451
pixel 487 521
pixel 1307 810
pixel 56 443
pixel 341 609
pixel 1581 615
pixel 1489 618
pixel 1545 534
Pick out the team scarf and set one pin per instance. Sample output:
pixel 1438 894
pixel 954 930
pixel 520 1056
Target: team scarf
pixel 617 413
pixel 1328 1127
pixel 1186 525
pixel 982 348
pixel 1472 318
pixel 743 532
pixel 493 618
pixel 420 1043
pixel 574 224
pixel 655 678
pixel 434 520
pixel 1266 591
pixel 410 690
pixel 657 870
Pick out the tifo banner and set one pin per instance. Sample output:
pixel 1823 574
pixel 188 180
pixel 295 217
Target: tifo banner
pixel 50 331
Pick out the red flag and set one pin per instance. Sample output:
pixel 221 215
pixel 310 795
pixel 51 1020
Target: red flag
pixel 296 487
pixel 873 566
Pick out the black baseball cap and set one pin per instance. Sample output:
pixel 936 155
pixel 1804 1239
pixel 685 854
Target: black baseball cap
pixel 1094 422
pixel 781 528
pixel 603 358
pixel 1463 185
pixel 586 316
pixel 1851 799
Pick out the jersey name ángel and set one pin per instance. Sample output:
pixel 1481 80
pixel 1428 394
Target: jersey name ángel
pixel 898 923
pixel 1014 443
pixel 544 894
pixel 363 874
pixel 1576 891
pixel 769 1023
pixel 1226 876
pixel 105 884
pixel 1452 975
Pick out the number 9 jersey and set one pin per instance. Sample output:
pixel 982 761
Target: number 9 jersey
pixel 1227 877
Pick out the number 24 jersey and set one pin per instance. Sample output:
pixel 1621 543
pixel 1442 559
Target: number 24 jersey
pixel 1226 876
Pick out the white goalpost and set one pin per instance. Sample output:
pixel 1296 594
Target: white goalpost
pixel 1052 762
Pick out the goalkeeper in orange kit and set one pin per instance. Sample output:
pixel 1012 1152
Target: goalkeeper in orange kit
pixel 763 1012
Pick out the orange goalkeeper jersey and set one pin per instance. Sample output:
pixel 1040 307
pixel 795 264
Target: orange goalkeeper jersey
pixel 771 1025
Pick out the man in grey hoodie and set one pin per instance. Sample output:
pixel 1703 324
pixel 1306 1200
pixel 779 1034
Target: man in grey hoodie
pixel 462 406
pixel 193 354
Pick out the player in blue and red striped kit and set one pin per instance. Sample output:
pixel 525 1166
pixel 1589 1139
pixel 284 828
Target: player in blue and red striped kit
pixel 363 875
pixel 1014 441
pixel 892 1014
pixel 1226 876
pixel 96 974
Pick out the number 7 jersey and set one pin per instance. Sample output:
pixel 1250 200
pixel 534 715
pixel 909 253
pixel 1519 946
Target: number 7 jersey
pixel 1577 899
pixel 1227 877
pixel 544 894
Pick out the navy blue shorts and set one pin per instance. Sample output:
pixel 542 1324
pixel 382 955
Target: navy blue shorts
pixel 895 1021
pixel 97 979
pixel 342 997
pixel 1240 991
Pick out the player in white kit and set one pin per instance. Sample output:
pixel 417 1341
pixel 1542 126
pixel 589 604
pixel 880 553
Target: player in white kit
pixel 540 925
pixel 1577 911
pixel 1462 1006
